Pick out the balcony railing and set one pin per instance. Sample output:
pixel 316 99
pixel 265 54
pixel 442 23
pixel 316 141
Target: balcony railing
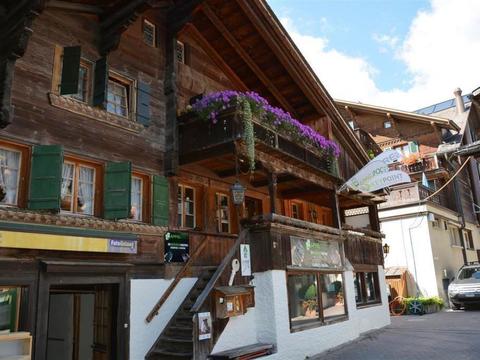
pixel 206 139
pixel 423 165
pixel 413 193
pixel 367 141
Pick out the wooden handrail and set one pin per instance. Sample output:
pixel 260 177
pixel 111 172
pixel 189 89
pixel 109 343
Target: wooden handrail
pixel 225 262
pixel 178 277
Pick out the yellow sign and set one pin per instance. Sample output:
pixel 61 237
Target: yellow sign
pixel 24 240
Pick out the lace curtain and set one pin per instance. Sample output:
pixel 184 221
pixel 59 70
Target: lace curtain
pixel 136 199
pixel 9 167
pixel 85 190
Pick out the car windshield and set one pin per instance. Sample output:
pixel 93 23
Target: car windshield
pixel 469 273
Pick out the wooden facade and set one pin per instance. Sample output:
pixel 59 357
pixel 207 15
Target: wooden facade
pixel 92 102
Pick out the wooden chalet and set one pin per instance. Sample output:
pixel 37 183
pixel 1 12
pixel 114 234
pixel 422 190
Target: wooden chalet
pixel 102 164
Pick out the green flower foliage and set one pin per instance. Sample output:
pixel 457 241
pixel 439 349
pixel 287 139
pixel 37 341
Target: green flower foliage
pixel 248 133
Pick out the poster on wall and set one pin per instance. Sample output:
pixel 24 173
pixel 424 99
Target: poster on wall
pixel 245 260
pixel 204 326
pixel 313 253
pixel 176 247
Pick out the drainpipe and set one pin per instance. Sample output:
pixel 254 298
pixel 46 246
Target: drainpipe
pixel 474 175
pixel 458 204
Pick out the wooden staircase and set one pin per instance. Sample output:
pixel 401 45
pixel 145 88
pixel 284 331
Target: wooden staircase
pixel 176 340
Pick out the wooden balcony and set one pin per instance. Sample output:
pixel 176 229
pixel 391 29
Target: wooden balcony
pixel 201 140
pixel 413 193
pixel 423 165
pixel 372 148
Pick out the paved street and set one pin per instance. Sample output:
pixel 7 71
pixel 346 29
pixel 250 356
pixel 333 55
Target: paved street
pixel 442 336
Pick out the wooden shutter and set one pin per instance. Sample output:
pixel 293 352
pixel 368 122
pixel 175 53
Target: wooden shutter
pixel 46 178
pixel 117 190
pixel 100 88
pixel 70 70
pixel 143 103
pixel 160 201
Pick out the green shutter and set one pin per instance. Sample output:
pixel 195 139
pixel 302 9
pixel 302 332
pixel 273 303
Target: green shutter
pixel 70 70
pixel 160 201
pixel 100 88
pixel 413 147
pixel 117 190
pixel 143 103
pixel 46 178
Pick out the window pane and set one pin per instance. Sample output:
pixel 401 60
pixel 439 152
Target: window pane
pixel 302 298
pixel 136 199
pixel 67 187
pixel 370 280
pixel 332 295
pixel 86 190
pixel 357 282
pixel 189 221
pixel 9 168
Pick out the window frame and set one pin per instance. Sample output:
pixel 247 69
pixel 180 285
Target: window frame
pixel 145 198
pixel 219 221
pixel 57 76
pixel 146 23
pixel 468 239
pixel 130 87
pixel 364 302
pixel 181 60
pixel 387 124
pixel 23 171
pixel 182 188
pixel 320 320
pixel 455 241
pixel 97 185
pixel 299 206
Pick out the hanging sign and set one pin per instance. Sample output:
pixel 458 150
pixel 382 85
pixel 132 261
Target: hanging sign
pixel 376 174
pixel 176 247
pixel 245 260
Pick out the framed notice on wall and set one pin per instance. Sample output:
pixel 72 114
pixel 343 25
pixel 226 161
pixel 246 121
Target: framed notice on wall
pixel 204 326
pixel 312 253
pixel 176 247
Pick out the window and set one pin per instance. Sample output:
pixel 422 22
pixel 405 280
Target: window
pixel 467 236
pixel 149 33
pixel 387 124
pixel 78 188
pixel 315 297
pixel 186 207
pixel 118 98
pixel 13 308
pixel 367 289
pixel 137 199
pixel 223 213
pixel 296 213
pixel 83 93
pixel 9 176
pixel 180 52
pixel 454 233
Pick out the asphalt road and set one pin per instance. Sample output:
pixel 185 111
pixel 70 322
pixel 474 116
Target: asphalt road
pixel 448 335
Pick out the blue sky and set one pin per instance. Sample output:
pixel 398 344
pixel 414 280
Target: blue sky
pixel 385 46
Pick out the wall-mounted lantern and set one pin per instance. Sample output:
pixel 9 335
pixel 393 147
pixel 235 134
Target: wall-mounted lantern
pixel 238 193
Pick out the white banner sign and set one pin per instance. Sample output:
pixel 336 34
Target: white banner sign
pixel 245 260
pixel 376 174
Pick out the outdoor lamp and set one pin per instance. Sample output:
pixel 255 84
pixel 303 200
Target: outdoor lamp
pixel 386 249
pixel 238 193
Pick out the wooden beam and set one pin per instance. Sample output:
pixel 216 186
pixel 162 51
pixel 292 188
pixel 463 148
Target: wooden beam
pixel 437 132
pixel 281 178
pixel 216 58
pixel 272 191
pixel 237 47
pixel 82 8
pixel 181 14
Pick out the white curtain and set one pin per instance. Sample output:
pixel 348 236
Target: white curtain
pixel 67 176
pixel 9 167
pixel 85 190
pixel 136 199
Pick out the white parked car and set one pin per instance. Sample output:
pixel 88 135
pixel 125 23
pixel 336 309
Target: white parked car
pixel 464 290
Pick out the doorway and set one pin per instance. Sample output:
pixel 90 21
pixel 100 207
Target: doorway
pixel 81 322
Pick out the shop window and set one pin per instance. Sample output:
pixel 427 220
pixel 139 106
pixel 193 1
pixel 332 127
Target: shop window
pixel 10 163
pixel 119 95
pixel 315 298
pixel 367 289
pixel 223 212
pixel 78 187
pixel 149 33
pixel 186 207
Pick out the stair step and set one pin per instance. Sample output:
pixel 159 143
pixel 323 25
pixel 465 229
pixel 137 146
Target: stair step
pixel 174 354
pixel 172 339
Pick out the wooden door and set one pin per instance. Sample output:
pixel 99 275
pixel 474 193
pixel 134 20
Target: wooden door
pixel 103 324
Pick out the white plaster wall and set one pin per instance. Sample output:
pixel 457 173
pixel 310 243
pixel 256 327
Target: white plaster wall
pixel 144 293
pixel 358 221
pixel 472 254
pixel 269 321
pixel 410 246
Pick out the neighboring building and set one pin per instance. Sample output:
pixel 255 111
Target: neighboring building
pixel 431 237
pixel 103 181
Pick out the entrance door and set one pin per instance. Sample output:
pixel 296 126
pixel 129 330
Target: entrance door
pixel 81 323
